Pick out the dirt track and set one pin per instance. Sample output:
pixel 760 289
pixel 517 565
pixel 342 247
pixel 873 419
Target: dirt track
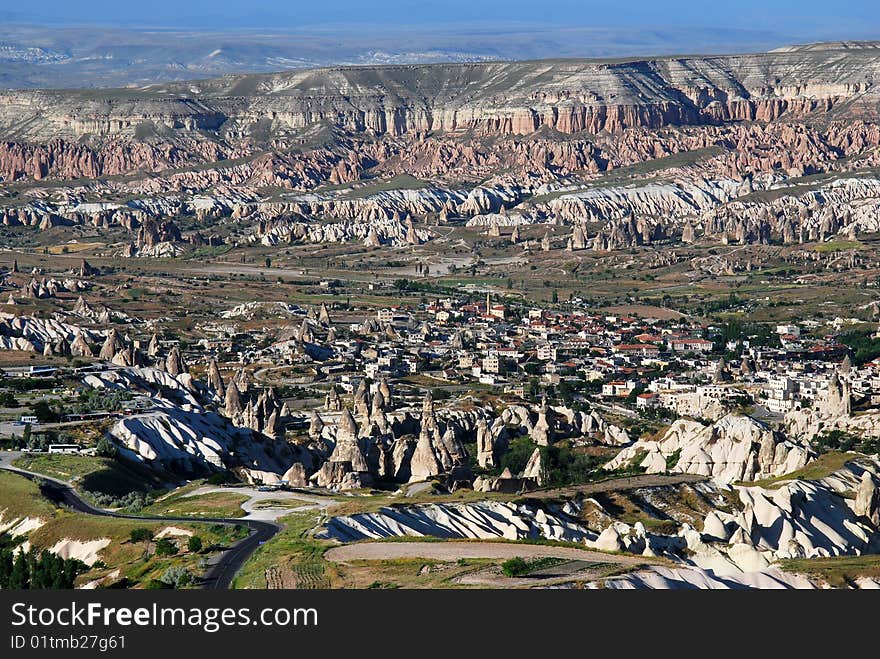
pixel 452 551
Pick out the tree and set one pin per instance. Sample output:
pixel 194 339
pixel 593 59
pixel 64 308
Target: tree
pixel 31 571
pixel 19 579
pixel 165 547
pixel 555 297
pixel 140 535
pixel 106 449
pixel 44 412
pixel 514 567
pixel 194 544
pixel 631 397
pixel 268 262
pixel 7 399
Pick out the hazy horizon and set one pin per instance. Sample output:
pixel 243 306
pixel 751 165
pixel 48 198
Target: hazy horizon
pixel 106 44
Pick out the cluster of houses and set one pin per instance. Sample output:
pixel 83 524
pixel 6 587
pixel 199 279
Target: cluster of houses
pixel 675 364
pixel 640 363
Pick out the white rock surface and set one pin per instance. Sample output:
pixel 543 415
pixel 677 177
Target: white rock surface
pixel 486 519
pixel 735 448
pixel 664 578
pixel 86 551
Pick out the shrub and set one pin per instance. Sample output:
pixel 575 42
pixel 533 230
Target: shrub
pixel 517 456
pixel 514 567
pixel 132 502
pixel 106 449
pixel 140 535
pixel 177 577
pixel 217 479
pixel 165 547
pixel 194 544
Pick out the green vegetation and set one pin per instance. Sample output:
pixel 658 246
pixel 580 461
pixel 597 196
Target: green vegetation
pixel 131 549
pixel 140 535
pixel 8 399
pixel 514 567
pixel 672 459
pixel 564 465
pixel 177 577
pixel 107 481
pixel 164 547
pixel 862 344
pixel 838 572
pixel 838 440
pixel 517 455
pixel 213 504
pixel 399 182
pixel 519 567
pixel 31 571
pixel 292 551
pixel 825 465
pixel 44 412
pixel 837 246
pixel 20 497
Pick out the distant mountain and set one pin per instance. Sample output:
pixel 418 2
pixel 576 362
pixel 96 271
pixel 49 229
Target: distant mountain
pixel 567 96
pixel 41 57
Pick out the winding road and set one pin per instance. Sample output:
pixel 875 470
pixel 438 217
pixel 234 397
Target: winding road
pixel 219 575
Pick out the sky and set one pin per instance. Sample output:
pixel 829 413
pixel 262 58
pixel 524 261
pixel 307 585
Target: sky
pixel 828 19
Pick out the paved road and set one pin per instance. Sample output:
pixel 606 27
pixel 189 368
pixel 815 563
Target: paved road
pixel 219 575
pixel 270 513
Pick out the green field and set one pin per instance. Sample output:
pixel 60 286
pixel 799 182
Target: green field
pixel 214 504
pixel 91 473
pixel 292 554
pixel 838 572
pixel 823 466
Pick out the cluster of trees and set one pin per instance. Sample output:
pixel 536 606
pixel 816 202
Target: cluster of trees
pixel 517 455
pixel 29 570
pixel 8 399
pixel 97 400
pixel 562 465
pixel 45 412
pixel 838 440
pixel 164 546
pixel 131 502
pixel 863 345
pixel 758 335
pixel 29 384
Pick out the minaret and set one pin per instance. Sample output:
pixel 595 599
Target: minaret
pixel 488 308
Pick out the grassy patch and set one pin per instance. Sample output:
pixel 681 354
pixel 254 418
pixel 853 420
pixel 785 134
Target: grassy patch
pixel 213 504
pixel 280 503
pixel 62 467
pixel 837 246
pixel 399 182
pixel 839 572
pixel 20 497
pixel 91 473
pixel 519 567
pixel 291 559
pixel 823 466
